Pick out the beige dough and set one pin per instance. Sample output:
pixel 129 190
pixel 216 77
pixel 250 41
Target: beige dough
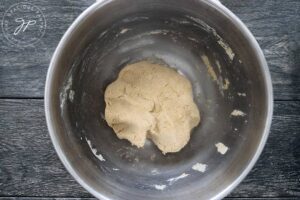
pixel 151 101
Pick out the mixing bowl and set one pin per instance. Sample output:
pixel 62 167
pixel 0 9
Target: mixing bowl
pixel 206 43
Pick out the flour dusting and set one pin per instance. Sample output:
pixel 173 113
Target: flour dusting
pixel 222 149
pixel 199 167
pixel 160 187
pixel 64 94
pixel 241 94
pixel 173 180
pixel 237 113
pixel 227 48
pixel 71 95
pixel 94 150
pixel 154 172
pixel 124 30
pixel 210 69
pixel 225 86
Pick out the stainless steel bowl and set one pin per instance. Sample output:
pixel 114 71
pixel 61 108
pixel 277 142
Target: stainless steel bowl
pixel 198 37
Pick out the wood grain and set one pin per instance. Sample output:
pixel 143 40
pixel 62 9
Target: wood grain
pixel 30 167
pixel 275 24
pixel 23 69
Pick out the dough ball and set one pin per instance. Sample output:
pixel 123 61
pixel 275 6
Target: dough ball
pixel 151 101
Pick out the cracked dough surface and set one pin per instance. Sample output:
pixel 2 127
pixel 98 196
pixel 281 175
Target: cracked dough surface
pixel 151 101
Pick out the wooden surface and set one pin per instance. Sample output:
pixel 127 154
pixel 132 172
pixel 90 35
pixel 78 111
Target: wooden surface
pixel 29 166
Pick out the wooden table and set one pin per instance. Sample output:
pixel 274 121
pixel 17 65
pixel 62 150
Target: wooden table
pixel 29 166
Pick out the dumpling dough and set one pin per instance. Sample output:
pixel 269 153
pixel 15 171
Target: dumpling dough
pixel 151 101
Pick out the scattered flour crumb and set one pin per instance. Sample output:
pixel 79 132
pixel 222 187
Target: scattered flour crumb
pixel 241 94
pixel 152 157
pixel 222 149
pixel 160 187
pixel 210 69
pixel 99 156
pixel 157 32
pixel 238 113
pixel 64 95
pixel 235 129
pixel 124 30
pixel 115 169
pixel 71 95
pixel 227 48
pixel 193 39
pixel 225 86
pixel 199 167
pixel 219 66
pixel 180 72
pixel 173 180
pixel 102 116
pixel 154 172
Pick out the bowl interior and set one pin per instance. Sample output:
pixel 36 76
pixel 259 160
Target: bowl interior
pixel 198 40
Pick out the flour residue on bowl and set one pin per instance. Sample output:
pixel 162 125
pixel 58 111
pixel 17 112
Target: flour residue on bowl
pixel 155 172
pixel 199 167
pixel 180 72
pixel 224 44
pixel 193 39
pixel 64 93
pixel 160 187
pixel 237 113
pixel 124 30
pixel 210 69
pixel 219 66
pixel 223 84
pixel 157 32
pixel 94 150
pixel 102 116
pixel 71 95
pixel 241 94
pixel 226 47
pixel 221 148
pixel 175 179
pixel 220 41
